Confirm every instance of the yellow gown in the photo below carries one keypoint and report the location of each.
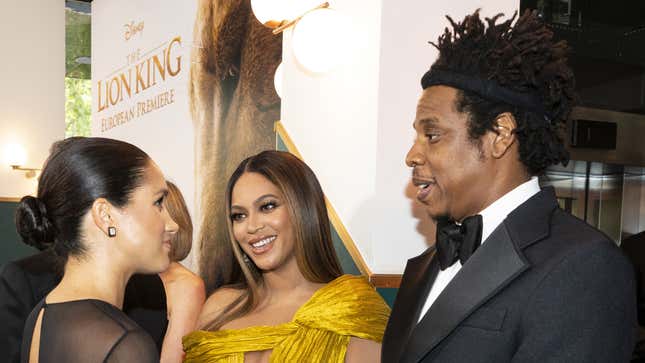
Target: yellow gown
(319, 332)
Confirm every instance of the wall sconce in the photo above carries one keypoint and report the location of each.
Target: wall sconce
(319, 34)
(29, 172)
(16, 157)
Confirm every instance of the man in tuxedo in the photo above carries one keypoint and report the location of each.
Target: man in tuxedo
(512, 277)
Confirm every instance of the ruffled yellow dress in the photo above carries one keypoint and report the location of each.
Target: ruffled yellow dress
(319, 332)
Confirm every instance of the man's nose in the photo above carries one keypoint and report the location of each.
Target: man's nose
(414, 156)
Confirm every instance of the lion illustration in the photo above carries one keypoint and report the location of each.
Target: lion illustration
(233, 106)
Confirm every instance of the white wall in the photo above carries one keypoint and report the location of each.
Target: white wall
(353, 124)
(333, 120)
(32, 93)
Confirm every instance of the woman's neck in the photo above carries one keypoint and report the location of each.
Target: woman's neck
(286, 281)
(90, 278)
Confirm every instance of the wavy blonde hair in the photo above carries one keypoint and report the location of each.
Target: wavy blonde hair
(182, 242)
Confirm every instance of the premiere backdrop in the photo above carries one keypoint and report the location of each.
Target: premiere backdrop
(140, 70)
(191, 83)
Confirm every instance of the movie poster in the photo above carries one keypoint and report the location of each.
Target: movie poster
(191, 83)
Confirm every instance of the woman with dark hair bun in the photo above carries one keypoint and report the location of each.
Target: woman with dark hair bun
(100, 207)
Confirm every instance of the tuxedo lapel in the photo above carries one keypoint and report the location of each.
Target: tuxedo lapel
(491, 267)
(420, 273)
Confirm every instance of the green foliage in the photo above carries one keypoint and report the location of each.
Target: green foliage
(77, 43)
(78, 107)
(77, 76)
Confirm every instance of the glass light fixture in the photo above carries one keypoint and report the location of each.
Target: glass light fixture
(319, 36)
(15, 154)
(319, 40)
(282, 14)
(271, 13)
(300, 7)
(277, 80)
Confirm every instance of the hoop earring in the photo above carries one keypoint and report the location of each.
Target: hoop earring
(111, 231)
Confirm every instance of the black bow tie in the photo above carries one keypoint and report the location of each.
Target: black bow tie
(458, 242)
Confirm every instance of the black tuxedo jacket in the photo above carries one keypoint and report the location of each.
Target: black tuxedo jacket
(634, 248)
(25, 282)
(544, 287)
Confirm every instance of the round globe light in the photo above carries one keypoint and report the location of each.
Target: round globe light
(300, 7)
(271, 13)
(277, 80)
(15, 154)
(319, 40)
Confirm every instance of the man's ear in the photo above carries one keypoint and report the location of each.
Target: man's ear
(101, 210)
(504, 125)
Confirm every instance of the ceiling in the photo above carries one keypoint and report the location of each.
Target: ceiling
(606, 39)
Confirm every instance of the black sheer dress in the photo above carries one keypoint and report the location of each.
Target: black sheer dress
(87, 331)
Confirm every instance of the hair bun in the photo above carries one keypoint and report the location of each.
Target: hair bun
(33, 223)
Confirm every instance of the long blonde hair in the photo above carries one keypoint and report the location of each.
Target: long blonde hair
(314, 249)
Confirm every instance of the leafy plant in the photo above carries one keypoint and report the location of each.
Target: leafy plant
(78, 101)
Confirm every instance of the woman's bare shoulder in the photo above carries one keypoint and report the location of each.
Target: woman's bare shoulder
(223, 297)
(217, 302)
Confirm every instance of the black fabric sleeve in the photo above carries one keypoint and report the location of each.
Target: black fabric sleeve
(145, 303)
(16, 302)
(134, 346)
(584, 310)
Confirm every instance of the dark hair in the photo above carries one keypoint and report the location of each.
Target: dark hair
(314, 249)
(524, 58)
(78, 171)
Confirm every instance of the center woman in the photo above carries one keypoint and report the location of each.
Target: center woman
(285, 298)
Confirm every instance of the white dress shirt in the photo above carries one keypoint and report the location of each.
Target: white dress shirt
(492, 216)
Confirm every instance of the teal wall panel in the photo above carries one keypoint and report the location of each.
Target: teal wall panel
(281, 146)
(11, 246)
(388, 294)
(346, 260)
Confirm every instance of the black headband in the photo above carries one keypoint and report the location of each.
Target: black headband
(487, 89)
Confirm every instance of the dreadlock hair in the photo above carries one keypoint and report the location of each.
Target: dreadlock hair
(524, 58)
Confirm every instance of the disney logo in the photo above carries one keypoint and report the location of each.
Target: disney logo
(132, 29)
